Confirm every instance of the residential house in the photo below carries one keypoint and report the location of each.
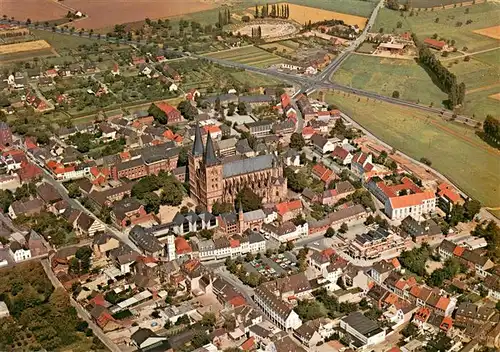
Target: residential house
(361, 163)
(127, 212)
(342, 190)
(314, 332)
(480, 264)
(192, 222)
(103, 243)
(26, 208)
(425, 231)
(448, 197)
(146, 339)
(19, 252)
(322, 144)
(323, 173)
(341, 155)
(289, 210)
(146, 242)
(88, 225)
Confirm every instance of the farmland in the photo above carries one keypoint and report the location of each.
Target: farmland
(384, 76)
(440, 3)
(424, 24)
(454, 150)
(25, 50)
(61, 41)
(248, 55)
(304, 14)
(36, 10)
(352, 7)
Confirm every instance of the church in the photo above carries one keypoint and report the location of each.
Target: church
(213, 179)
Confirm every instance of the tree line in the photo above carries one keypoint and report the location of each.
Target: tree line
(446, 80)
(224, 18)
(256, 32)
(275, 11)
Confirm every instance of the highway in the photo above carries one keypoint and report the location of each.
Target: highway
(307, 84)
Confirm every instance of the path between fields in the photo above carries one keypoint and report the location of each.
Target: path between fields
(469, 54)
(480, 89)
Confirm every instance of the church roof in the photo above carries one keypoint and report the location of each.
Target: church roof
(198, 143)
(246, 166)
(210, 157)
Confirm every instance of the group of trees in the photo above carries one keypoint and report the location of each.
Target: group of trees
(80, 263)
(257, 32)
(415, 259)
(187, 110)
(297, 141)
(450, 269)
(248, 199)
(274, 11)
(38, 312)
(172, 191)
(463, 213)
(490, 231)
(491, 131)
(445, 79)
(52, 228)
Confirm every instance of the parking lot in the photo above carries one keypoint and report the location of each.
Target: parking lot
(275, 266)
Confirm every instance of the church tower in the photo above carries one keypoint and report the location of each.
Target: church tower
(212, 185)
(194, 163)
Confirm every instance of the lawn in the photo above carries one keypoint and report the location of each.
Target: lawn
(423, 23)
(255, 79)
(249, 55)
(385, 75)
(454, 150)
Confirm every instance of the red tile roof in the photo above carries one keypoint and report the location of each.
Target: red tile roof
(182, 246)
(443, 303)
(433, 42)
(340, 153)
(447, 191)
(285, 207)
(166, 107)
(248, 345)
(410, 199)
(458, 251)
(237, 301)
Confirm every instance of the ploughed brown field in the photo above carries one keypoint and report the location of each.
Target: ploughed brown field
(100, 13)
(36, 10)
(107, 13)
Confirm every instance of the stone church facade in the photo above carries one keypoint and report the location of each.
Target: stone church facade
(213, 179)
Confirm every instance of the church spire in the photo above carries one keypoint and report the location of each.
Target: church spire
(198, 142)
(210, 157)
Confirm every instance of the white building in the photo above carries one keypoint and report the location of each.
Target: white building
(286, 232)
(4, 310)
(18, 252)
(398, 208)
(358, 327)
(171, 247)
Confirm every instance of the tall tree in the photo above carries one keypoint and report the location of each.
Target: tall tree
(256, 11)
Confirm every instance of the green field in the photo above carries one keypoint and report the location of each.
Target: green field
(423, 23)
(454, 150)
(249, 55)
(384, 76)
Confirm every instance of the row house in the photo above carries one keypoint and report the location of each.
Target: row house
(323, 173)
(476, 262)
(210, 249)
(314, 332)
(305, 107)
(192, 222)
(107, 197)
(342, 190)
(286, 232)
(348, 215)
(274, 298)
(342, 156)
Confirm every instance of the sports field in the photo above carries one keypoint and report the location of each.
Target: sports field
(454, 150)
(424, 24)
(249, 55)
(385, 75)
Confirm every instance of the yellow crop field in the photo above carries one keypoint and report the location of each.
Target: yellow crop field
(26, 46)
(303, 14)
(492, 32)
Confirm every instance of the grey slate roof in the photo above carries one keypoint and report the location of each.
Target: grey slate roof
(198, 143)
(246, 166)
(210, 157)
